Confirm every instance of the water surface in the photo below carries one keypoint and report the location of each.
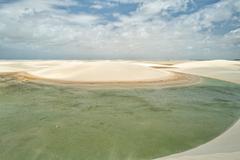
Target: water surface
(47, 122)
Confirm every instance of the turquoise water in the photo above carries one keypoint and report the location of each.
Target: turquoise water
(45, 122)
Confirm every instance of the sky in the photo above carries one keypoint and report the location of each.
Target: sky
(120, 29)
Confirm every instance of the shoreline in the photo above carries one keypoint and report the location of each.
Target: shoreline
(213, 149)
(179, 80)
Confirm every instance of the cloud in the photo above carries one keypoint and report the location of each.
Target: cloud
(163, 7)
(103, 4)
(156, 29)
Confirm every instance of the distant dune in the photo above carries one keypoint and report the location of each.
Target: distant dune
(218, 69)
(123, 71)
(103, 71)
(92, 71)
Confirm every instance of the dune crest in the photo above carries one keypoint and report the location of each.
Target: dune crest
(90, 71)
(103, 71)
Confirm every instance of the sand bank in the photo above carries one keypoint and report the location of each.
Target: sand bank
(92, 71)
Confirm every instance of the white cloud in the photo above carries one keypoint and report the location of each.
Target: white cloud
(103, 4)
(207, 17)
(97, 6)
(160, 7)
(37, 25)
(128, 1)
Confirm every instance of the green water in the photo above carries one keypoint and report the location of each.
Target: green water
(43, 122)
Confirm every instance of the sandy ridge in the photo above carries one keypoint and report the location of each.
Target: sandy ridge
(100, 72)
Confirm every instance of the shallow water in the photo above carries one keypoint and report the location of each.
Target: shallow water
(46, 122)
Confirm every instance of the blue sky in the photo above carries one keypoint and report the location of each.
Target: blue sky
(107, 9)
(120, 29)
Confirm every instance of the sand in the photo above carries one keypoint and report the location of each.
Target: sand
(103, 71)
(218, 69)
(123, 71)
(95, 71)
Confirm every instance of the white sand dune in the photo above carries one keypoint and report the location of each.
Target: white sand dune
(218, 69)
(89, 71)
(103, 71)
(123, 71)
(109, 71)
